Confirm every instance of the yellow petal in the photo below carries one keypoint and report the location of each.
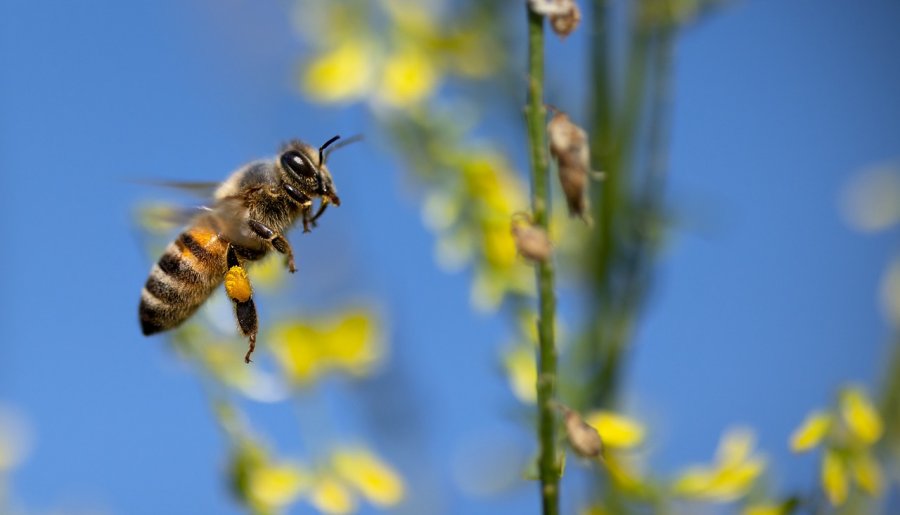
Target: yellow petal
(811, 431)
(277, 485)
(408, 77)
(373, 478)
(294, 346)
(342, 74)
(834, 478)
(694, 481)
(735, 446)
(764, 509)
(522, 373)
(352, 342)
(735, 481)
(860, 416)
(617, 431)
(867, 473)
(331, 496)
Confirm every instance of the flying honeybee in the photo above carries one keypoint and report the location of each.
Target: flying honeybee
(249, 215)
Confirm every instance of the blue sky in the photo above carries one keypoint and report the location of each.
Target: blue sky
(765, 301)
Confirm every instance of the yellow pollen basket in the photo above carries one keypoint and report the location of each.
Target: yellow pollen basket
(237, 285)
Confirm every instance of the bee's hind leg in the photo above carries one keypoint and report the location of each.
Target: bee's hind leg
(277, 241)
(237, 286)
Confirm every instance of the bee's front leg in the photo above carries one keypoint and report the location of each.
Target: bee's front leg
(237, 286)
(277, 241)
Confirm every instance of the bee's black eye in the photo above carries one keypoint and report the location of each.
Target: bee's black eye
(298, 164)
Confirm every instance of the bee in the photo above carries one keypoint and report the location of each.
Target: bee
(249, 215)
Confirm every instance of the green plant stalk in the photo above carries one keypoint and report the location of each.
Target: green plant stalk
(535, 117)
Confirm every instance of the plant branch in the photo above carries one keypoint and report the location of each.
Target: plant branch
(535, 116)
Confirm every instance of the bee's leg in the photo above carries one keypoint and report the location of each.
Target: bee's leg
(308, 219)
(237, 286)
(319, 212)
(277, 241)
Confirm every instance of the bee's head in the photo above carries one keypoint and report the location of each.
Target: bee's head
(303, 167)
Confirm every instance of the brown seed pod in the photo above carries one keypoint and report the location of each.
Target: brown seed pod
(584, 439)
(532, 241)
(569, 146)
(564, 14)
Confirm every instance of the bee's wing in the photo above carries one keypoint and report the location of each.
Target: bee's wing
(199, 189)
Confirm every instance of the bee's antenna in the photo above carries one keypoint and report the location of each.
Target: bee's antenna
(342, 144)
(324, 146)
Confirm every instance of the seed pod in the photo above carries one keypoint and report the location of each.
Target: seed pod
(569, 146)
(584, 439)
(564, 14)
(532, 241)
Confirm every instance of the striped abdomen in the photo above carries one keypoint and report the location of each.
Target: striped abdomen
(184, 277)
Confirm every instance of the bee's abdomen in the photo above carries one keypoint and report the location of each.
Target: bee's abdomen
(187, 273)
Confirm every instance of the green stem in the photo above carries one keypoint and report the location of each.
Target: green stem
(535, 117)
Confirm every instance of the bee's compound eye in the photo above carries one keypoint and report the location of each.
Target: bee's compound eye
(298, 164)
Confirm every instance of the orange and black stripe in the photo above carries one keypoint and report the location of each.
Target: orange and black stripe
(189, 271)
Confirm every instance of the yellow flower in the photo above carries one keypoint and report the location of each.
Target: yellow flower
(617, 431)
(277, 485)
(329, 495)
(374, 479)
(15, 440)
(341, 74)
(834, 478)
(811, 432)
(764, 509)
(521, 370)
(730, 477)
(407, 78)
(349, 343)
(867, 473)
(860, 416)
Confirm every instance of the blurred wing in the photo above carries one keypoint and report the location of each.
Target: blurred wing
(203, 190)
(164, 218)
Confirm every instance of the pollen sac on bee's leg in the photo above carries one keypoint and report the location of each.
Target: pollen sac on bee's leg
(237, 284)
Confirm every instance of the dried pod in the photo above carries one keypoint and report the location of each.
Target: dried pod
(532, 241)
(569, 146)
(584, 439)
(564, 14)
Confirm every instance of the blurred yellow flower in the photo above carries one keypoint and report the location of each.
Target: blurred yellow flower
(730, 477)
(617, 431)
(834, 478)
(867, 473)
(521, 371)
(341, 74)
(407, 78)
(222, 361)
(811, 432)
(765, 509)
(350, 343)
(277, 485)
(871, 201)
(848, 432)
(374, 479)
(330, 495)
(860, 415)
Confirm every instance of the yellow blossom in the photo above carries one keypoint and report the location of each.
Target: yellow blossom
(329, 495)
(277, 485)
(861, 417)
(867, 473)
(811, 432)
(521, 370)
(408, 77)
(349, 343)
(764, 509)
(341, 74)
(617, 431)
(730, 477)
(834, 478)
(367, 473)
